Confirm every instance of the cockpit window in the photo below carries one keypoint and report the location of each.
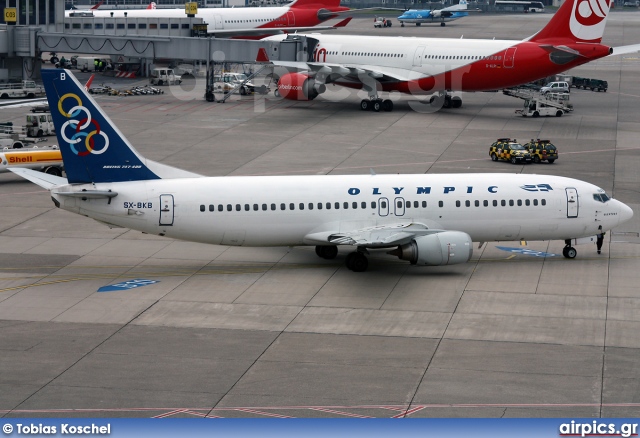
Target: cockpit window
(600, 197)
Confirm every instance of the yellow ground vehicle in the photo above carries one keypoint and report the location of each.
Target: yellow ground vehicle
(509, 150)
(542, 150)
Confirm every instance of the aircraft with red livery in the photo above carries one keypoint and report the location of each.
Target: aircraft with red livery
(438, 66)
(246, 23)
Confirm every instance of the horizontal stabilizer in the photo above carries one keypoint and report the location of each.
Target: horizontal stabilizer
(89, 194)
(42, 179)
(625, 50)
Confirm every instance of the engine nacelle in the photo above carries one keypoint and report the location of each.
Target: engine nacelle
(445, 248)
(436, 14)
(299, 86)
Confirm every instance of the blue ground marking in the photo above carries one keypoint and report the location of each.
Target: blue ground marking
(526, 251)
(126, 285)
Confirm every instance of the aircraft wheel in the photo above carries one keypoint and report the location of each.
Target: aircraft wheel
(327, 252)
(569, 252)
(377, 105)
(53, 171)
(447, 102)
(456, 102)
(418, 24)
(365, 105)
(387, 105)
(401, 24)
(357, 262)
(443, 24)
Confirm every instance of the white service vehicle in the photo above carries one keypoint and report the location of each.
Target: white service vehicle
(39, 125)
(536, 107)
(26, 88)
(555, 87)
(164, 76)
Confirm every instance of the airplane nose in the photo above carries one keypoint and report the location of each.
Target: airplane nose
(625, 213)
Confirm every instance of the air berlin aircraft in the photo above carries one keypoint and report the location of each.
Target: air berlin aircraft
(424, 66)
(248, 23)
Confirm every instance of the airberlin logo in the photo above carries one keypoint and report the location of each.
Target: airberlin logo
(82, 132)
(588, 19)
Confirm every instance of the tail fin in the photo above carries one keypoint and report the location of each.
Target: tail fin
(152, 5)
(332, 5)
(93, 149)
(576, 21)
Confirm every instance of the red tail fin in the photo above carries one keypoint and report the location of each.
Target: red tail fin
(577, 21)
(152, 5)
(343, 23)
(96, 6)
(331, 5)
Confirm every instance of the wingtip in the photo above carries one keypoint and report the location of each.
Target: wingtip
(343, 23)
(262, 56)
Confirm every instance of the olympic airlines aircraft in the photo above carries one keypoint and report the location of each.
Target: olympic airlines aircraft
(424, 66)
(424, 219)
(251, 23)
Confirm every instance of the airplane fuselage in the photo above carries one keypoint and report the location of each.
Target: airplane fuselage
(426, 17)
(281, 211)
(425, 65)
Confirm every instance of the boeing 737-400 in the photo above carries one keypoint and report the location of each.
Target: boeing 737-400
(424, 219)
(427, 66)
(247, 23)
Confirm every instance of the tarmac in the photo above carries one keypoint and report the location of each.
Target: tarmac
(279, 332)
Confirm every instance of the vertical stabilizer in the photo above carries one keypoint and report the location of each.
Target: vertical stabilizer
(576, 21)
(93, 149)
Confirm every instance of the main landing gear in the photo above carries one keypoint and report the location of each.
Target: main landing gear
(356, 261)
(445, 100)
(376, 104)
(569, 251)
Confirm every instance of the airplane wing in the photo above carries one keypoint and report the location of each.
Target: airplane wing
(357, 74)
(229, 33)
(383, 236)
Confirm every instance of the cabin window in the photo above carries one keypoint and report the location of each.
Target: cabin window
(495, 202)
(354, 205)
(283, 207)
(363, 205)
(337, 205)
(424, 204)
(477, 203)
(256, 207)
(503, 203)
(383, 204)
(238, 207)
(273, 207)
(292, 206)
(519, 202)
(373, 204)
(399, 204)
(511, 203)
(527, 202)
(408, 204)
(319, 205)
(212, 207)
(535, 202)
(345, 205)
(264, 207)
(220, 207)
(202, 207)
(328, 205)
(467, 203)
(485, 203)
(543, 202)
(310, 205)
(416, 204)
(301, 206)
(457, 203)
(440, 203)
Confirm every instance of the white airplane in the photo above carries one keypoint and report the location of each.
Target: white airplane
(442, 16)
(427, 220)
(424, 66)
(248, 23)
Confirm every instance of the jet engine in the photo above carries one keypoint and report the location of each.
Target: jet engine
(445, 248)
(299, 86)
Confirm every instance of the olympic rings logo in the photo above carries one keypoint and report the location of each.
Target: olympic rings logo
(79, 129)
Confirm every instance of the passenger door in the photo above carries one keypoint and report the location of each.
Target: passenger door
(572, 202)
(166, 210)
